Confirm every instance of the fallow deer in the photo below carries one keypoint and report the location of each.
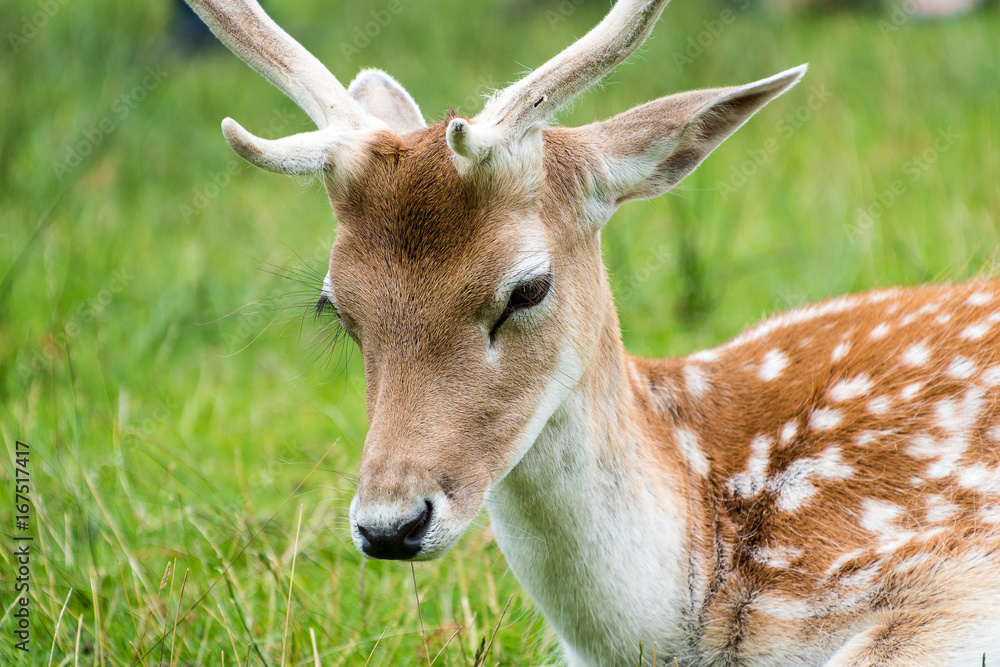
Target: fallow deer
(822, 490)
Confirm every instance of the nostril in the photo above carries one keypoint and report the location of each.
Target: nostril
(400, 542)
(415, 530)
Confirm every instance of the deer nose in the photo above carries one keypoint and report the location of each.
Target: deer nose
(399, 542)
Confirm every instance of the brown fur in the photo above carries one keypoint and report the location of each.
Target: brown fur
(740, 406)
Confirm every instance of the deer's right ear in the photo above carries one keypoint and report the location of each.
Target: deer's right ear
(644, 152)
(382, 96)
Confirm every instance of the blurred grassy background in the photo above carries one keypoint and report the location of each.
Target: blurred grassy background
(176, 394)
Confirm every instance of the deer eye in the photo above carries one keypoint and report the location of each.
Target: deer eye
(526, 295)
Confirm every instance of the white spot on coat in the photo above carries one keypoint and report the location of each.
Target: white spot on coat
(879, 331)
(922, 446)
(912, 563)
(783, 608)
(788, 431)
(842, 560)
(916, 355)
(774, 363)
(957, 419)
(991, 376)
(990, 513)
(695, 381)
(841, 351)
(794, 487)
(929, 308)
(861, 579)
(777, 557)
(975, 331)
(961, 368)
(688, 443)
(866, 437)
(879, 517)
(981, 478)
(939, 509)
(979, 298)
(879, 405)
(910, 391)
(848, 389)
(823, 419)
(751, 482)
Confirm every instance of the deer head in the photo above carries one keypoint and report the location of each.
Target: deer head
(467, 264)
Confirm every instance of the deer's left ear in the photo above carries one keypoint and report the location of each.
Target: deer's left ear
(382, 96)
(644, 152)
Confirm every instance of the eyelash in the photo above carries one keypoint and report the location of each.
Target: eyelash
(332, 336)
(526, 295)
(324, 305)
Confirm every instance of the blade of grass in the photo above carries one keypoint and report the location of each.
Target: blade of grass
(55, 633)
(420, 615)
(232, 640)
(370, 654)
(453, 635)
(180, 598)
(312, 639)
(291, 586)
(97, 622)
(76, 650)
(496, 628)
(166, 616)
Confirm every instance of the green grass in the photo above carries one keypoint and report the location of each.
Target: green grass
(177, 398)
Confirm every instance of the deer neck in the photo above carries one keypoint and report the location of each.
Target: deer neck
(596, 520)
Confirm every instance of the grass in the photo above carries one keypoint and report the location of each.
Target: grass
(192, 433)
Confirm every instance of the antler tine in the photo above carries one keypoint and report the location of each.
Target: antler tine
(244, 27)
(537, 96)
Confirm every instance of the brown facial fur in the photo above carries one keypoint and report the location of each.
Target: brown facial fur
(418, 258)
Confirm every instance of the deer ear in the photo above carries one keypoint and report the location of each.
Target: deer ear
(382, 96)
(644, 152)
